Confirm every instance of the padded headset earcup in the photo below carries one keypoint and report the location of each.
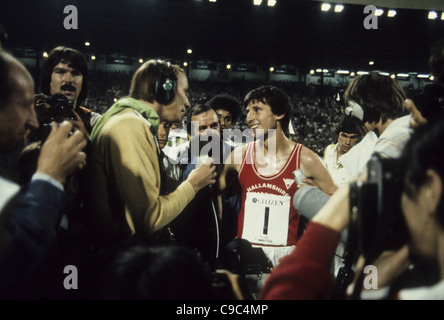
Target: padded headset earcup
(165, 86)
(355, 110)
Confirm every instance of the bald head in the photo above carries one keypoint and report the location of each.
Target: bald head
(17, 115)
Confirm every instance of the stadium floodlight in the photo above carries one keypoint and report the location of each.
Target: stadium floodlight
(339, 8)
(257, 2)
(325, 6)
(432, 15)
(271, 3)
(391, 13)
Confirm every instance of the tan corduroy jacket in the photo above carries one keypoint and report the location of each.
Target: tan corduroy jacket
(124, 178)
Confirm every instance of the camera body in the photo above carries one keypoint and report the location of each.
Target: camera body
(377, 222)
(241, 258)
(61, 108)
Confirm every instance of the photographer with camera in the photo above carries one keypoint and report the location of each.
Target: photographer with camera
(410, 209)
(29, 217)
(64, 85)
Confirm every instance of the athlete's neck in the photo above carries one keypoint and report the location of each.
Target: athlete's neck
(275, 142)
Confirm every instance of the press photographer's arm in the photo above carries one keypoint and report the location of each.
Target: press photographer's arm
(305, 273)
(389, 264)
(417, 260)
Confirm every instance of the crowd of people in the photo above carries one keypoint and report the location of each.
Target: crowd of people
(87, 183)
(311, 115)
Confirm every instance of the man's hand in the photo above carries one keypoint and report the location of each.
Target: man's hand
(78, 124)
(390, 265)
(62, 154)
(416, 118)
(40, 105)
(203, 175)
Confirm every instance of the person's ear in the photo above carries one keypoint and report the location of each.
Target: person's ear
(433, 190)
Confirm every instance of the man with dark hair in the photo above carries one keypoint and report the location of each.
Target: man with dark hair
(228, 110)
(127, 192)
(265, 168)
(349, 132)
(29, 217)
(65, 71)
(157, 273)
(198, 226)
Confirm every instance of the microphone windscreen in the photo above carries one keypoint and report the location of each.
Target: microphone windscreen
(308, 200)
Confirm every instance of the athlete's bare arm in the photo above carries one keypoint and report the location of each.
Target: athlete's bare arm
(316, 171)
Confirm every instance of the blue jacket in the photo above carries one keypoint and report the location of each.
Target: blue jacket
(28, 232)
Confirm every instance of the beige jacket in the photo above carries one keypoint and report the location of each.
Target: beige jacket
(124, 179)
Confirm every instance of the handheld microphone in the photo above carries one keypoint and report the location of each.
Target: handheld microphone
(308, 200)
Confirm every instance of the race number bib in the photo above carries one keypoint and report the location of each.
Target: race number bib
(266, 218)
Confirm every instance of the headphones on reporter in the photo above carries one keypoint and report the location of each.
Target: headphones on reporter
(353, 109)
(165, 84)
